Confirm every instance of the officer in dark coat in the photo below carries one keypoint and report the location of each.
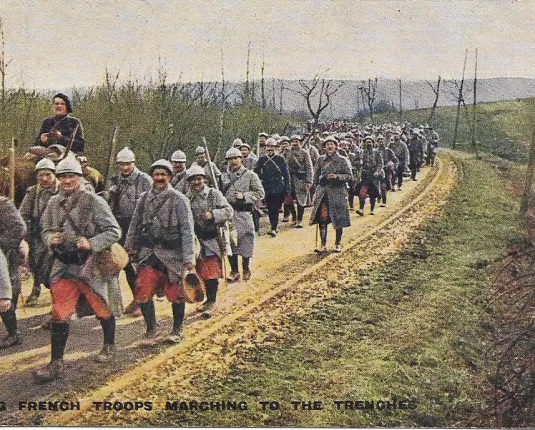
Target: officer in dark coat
(61, 128)
(273, 171)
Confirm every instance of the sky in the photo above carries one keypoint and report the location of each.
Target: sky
(65, 44)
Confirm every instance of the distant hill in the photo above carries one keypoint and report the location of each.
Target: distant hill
(415, 94)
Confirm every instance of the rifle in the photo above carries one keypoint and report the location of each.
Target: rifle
(69, 145)
(225, 228)
(111, 154)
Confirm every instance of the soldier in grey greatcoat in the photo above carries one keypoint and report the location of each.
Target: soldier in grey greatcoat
(202, 160)
(370, 178)
(331, 174)
(77, 224)
(210, 211)
(402, 154)
(123, 194)
(301, 176)
(160, 242)
(390, 162)
(178, 181)
(415, 146)
(243, 189)
(12, 231)
(249, 159)
(32, 208)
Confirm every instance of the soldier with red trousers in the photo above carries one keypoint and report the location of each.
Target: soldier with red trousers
(160, 241)
(76, 224)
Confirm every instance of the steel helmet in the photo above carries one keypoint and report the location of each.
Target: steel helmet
(178, 156)
(126, 155)
(237, 143)
(45, 163)
(233, 152)
(195, 170)
(162, 164)
(199, 150)
(69, 165)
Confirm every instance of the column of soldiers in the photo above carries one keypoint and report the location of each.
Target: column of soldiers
(172, 221)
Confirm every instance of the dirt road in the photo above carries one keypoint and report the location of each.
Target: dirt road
(287, 275)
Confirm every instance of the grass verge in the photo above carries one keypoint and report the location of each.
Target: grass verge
(411, 328)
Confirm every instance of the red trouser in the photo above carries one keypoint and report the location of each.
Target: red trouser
(150, 281)
(209, 268)
(65, 294)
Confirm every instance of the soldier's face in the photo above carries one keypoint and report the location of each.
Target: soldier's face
(45, 178)
(126, 168)
(178, 166)
(234, 163)
(330, 147)
(244, 151)
(196, 183)
(160, 178)
(201, 158)
(296, 144)
(69, 181)
(270, 150)
(60, 107)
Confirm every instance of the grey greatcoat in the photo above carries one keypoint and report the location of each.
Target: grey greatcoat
(125, 192)
(334, 190)
(401, 151)
(91, 217)
(250, 161)
(179, 182)
(301, 173)
(163, 225)
(12, 231)
(372, 167)
(32, 208)
(247, 182)
(210, 199)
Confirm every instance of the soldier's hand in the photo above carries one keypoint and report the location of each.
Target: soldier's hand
(55, 239)
(55, 135)
(5, 305)
(189, 267)
(332, 176)
(308, 186)
(239, 196)
(83, 243)
(207, 215)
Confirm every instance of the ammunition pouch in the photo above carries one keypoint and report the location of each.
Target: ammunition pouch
(206, 231)
(69, 254)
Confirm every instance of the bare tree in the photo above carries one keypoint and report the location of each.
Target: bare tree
(247, 91)
(317, 94)
(273, 93)
(263, 84)
(370, 90)
(281, 91)
(436, 91)
(460, 99)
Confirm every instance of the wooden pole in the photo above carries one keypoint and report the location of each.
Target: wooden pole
(474, 123)
(12, 169)
(459, 100)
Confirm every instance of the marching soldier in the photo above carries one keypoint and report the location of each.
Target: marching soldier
(160, 241)
(178, 181)
(77, 224)
(432, 147)
(249, 159)
(372, 172)
(242, 188)
(272, 170)
(210, 211)
(123, 194)
(301, 175)
(415, 153)
(331, 174)
(32, 208)
(12, 231)
(402, 154)
(61, 128)
(390, 162)
(202, 161)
